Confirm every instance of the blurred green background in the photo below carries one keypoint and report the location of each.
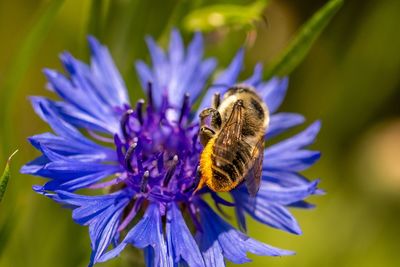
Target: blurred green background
(350, 79)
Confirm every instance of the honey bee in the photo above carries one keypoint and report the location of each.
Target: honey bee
(234, 141)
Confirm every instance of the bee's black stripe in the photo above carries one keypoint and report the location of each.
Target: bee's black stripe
(248, 130)
(240, 166)
(218, 159)
(242, 160)
(227, 166)
(221, 175)
(233, 161)
(231, 170)
(258, 108)
(243, 156)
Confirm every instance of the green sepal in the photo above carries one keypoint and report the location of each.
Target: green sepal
(5, 177)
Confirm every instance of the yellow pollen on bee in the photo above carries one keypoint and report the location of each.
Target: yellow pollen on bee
(206, 164)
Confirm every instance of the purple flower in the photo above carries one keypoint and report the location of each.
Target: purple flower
(146, 156)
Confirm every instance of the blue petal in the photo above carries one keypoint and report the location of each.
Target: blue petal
(94, 94)
(75, 91)
(174, 261)
(210, 249)
(101, 213)
(39, 189)
(289, 156)
(225, 80)
(183, 244)
(67, 173)
(65, 178)
(292, 161)
(158, 58)
(149, 256)
(273, 92)
(281, 122)
(201, 77)
(176, 48)
(144, 73)
(302, 205)
(107, 123)
(75, 183)
(303, 139)
(284, 178)
(34, 165)
(105, 72)
(241, 218)
(272, 193)
(46, 111)
(259, 248)
(160, 69)
(233, 244)
(70, 159)
(74, 150)
(191, 76)
(272, 214)
(177, 73)
(146, 233)
(195, 49)
(256, 78)
(230, 75)
(66, 169)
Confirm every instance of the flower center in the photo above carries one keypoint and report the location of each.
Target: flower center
(159, 150)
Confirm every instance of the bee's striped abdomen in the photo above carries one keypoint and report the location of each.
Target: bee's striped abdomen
(228, 166)
(220, 178)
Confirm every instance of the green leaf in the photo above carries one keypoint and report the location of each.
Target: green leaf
(5, 177)
(302, 42)
(213, 16)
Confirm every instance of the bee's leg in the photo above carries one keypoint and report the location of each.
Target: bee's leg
(216, 120)
(205, 135)
(216, 100)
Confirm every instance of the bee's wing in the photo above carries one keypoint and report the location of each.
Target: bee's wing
(232, 130)
(226, 144)
(253, 177)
